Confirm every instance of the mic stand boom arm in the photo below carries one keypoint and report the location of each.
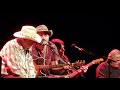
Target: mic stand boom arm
(52, 46)
(56, 52)
(81, 49)
(86, 51)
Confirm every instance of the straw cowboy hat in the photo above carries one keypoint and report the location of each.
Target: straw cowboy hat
(43, 28)
(28, 32)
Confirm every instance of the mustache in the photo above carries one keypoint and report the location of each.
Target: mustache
(44, 42)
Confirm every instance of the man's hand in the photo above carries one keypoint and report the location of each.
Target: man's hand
(66, 67)
(84, 69)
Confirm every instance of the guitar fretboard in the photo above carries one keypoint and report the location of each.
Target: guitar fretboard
(80, 71)
(89, 64)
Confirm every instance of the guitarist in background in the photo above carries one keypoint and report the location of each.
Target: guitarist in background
(61, 50)
(111, 67)
(46, 53)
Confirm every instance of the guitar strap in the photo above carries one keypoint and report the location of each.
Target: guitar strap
(44, 54)
(39, 61)
(45, 71)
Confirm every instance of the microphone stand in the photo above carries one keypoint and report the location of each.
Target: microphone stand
(81, 49)
(109, 61)
(86, 51)
(51, 45)
(56, 52)
(89, 52)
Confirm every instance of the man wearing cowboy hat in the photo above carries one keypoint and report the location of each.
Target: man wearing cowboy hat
(46, 52)
(111, 67)
(16, 54)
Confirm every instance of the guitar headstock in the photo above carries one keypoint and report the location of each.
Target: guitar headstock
(79, 63)
(96, 61)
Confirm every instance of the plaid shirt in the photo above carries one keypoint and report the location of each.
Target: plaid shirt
(16, 61)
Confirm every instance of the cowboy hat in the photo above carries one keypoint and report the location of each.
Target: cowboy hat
(43, 28)
(28, 32)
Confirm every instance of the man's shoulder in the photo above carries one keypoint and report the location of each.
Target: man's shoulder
(102, 65)
(10, 42)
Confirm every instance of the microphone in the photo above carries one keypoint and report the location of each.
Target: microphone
(48, 43)
(81, 49)
(51, 45)
(110, 60)
(74, 45)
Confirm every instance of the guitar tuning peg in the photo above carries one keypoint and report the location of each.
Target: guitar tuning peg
(83, 62)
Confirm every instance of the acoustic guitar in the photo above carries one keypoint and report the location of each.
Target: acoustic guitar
(40, 68)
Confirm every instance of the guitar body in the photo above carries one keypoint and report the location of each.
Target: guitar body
(43, 70)
(39, 71)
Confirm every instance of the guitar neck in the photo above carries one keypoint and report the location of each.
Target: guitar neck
(89, 64)
(79, 71)
(51, 66)
(61, 65)
(55, 66)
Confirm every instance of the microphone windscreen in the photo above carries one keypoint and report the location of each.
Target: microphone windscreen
(73, 45)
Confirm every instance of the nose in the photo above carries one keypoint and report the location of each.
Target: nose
(63, 49)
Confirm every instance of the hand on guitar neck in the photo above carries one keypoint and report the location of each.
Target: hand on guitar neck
(63, 67)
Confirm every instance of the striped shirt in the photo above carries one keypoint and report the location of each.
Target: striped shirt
(16, 61)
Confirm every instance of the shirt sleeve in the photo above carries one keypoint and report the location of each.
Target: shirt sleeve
(7, 59)
(101, 71)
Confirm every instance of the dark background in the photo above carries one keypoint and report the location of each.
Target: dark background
(95, 32)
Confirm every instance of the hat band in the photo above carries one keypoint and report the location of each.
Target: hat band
(28, 36)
